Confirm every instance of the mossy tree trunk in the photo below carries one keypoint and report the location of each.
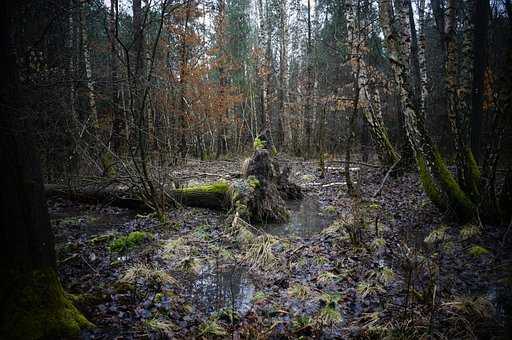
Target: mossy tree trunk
(438, 182)
(33, 302)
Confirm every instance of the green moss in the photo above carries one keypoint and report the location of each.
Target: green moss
(108, 164)
(463, 206)
(274, 151)
(37, 307)
(259, 144)
(129, 241)
(253, 182)
(221, 187)
(478, 251)
(428, 183)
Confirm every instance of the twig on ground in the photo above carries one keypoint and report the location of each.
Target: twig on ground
(385, 179)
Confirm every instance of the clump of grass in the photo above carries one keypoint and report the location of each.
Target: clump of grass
(129, 241)
(299, 291)
(467, 314)
(190, 264)
(478, 251)
(153, 276)
(378, 243)
(327, 277)
(259, 144)
(165, 327)
(329, 313)
(437, 235)
(259, 297)
(364, 289)
(260, 254)
(176, 248)
(212, 328)
(386, 275)
(302, 323)
(469, 231)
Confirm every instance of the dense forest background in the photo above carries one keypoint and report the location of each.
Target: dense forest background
(201, 79)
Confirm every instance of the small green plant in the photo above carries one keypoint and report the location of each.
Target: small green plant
(387, 275)
(299, 291)
(469, 231)
(437, 235)
(478, 251)
(212, 328)
(259, 297)
(302, 323)
(227, 314)
(259, 144)
(129, 241)
(253, 182)
(327, 277)
(329, 313)
(201, 231)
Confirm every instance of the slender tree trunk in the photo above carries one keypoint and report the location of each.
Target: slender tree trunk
(422, 42)
(264, 65)
(283, 132)
(116, 137)
(84, 9)
(309, 87)
(414, 59)
(481, 21)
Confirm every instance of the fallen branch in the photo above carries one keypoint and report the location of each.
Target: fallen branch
(385, 178)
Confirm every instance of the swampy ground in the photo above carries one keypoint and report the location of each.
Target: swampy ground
(390, 266)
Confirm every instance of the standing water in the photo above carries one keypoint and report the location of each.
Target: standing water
(306, 219)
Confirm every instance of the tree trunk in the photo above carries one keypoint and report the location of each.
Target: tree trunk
(283, 130)
(436, 179)
(373, 112)
(309, 88)
(33, 302)
(116, 137)
(84, 9)
(481, 22)
(422, 41)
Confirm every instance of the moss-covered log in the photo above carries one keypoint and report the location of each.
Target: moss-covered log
(214, 196)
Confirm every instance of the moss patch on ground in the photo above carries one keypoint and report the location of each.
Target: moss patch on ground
(129, 241)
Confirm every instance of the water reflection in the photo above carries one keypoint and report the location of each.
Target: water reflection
(218, 287)
(306, 219)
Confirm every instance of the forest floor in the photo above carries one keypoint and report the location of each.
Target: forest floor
(341, 268)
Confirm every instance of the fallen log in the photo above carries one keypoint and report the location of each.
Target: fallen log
(212, 196)
(257, 197)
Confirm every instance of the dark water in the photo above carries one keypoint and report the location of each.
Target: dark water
(218, 287)
(306, 219)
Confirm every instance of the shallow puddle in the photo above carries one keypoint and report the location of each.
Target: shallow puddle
(306, 219)
(223, 287)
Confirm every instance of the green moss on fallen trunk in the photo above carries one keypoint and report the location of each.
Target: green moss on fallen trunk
(37, 307)
(215, 195)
